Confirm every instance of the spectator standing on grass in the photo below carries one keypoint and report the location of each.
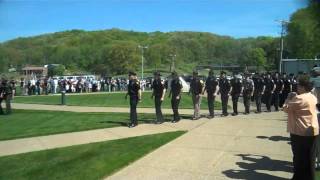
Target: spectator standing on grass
(134, 91)
(33, 86)
(303, 128)
(55, 85)
(6, 94)
(38, 87)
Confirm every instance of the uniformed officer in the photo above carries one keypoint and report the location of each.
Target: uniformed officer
(294, 83)
(259, 88)
(279, 87)
(269, 89)
(236, 88)
(247, 93)
(158, 93)
(196, 89)
(175, 93)
(287, 88)
(6, 95)
(134, 92)
(211, 89)
(224, 90)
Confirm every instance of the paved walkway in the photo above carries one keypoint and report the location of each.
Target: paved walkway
(242, 147)
(246, 147)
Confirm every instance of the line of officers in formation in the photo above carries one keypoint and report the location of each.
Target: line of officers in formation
(268, 88)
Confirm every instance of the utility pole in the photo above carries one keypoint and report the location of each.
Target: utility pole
(142, 58)
(283, 23)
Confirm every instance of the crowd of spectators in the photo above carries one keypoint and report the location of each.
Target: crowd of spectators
(45, 86)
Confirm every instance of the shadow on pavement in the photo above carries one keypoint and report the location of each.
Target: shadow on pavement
(249, 170)
(275, 138)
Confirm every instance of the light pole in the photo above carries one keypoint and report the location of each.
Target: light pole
(172, 66)
(283, 24)
(142, 58)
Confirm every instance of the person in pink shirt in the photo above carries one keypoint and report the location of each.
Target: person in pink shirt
(303, 128)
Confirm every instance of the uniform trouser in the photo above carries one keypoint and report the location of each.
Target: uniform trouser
(268, 97)
(258, 97)
(317, 149)
(276, 100)
(283, 97)
(45, 89)
(196, 99)
(246, 102)
(133, 109)
(175, 107)
(37, 90)
(157, 103)
(235, 99)
(303, 149)
(1, 110)
(224, 102)
(211, 99)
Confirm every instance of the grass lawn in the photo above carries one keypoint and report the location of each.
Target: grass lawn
(89, 161)
(28, 123)
(109, 100)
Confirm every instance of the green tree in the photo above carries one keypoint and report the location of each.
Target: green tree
(256, 57)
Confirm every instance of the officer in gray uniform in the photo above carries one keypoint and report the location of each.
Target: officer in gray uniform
(134, 92)
(211, 88)
(196, 89)
(175, 93)
(248, 88)
(158, 93)
(224, 90)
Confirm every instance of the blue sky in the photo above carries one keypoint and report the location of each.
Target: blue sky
(237, 18)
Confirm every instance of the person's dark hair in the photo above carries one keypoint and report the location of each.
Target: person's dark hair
(304, 81)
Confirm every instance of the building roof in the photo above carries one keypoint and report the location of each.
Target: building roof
(33, 68)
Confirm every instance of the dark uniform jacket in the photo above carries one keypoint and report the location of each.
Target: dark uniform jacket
(258, 85)
(196, 86)
(279, 84)
(236, 86)
(158, 87)
(248, 86)
(269, 85)
(294, 85)
(211, 84)
(133, 88)
(176, 87)
(287, 85)
(224, 86)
